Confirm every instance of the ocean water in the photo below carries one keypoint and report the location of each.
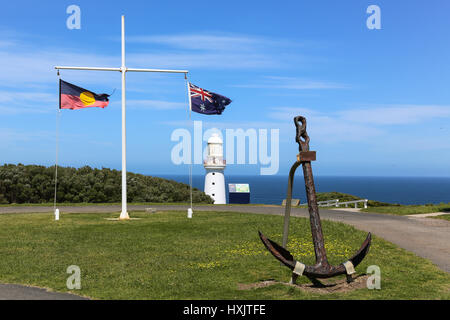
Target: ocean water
(402, 190)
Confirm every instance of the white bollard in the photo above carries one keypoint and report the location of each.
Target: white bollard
(56, 214)
(189, 213)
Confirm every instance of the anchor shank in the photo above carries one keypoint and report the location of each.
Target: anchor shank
(314, 218)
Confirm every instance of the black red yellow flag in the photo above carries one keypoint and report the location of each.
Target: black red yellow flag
(74, 97)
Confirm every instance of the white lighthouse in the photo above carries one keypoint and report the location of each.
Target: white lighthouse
(215, 165)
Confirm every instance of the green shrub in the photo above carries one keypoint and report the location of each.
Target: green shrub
(323, 196)
(36, 184)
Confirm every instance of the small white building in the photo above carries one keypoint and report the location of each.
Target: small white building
(215, 165)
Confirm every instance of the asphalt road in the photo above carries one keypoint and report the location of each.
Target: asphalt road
(428, 238)
(18, 292)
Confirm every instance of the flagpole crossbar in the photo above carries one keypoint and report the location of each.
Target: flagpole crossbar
(123, 69)
(157, 70)
(120, 69)
(87, 68)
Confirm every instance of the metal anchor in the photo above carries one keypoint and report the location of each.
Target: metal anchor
(322, 269)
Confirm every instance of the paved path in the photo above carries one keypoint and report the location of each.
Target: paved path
(18, 292)
(425, 215)
(428, 238)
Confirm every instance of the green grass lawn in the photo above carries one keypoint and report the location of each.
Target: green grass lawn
(410, 209)
(167, 256)
(87, 204)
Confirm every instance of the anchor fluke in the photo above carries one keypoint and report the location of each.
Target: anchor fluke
(362, 252)
(284, 256)
(323, 270)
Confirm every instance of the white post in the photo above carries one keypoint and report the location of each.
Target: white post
(190, 211)
(189, 97)
(124, 214)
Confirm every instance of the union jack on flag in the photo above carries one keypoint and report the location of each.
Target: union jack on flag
(199, 92)
(203, 101)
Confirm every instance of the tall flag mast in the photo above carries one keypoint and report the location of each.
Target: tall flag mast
(123, 69)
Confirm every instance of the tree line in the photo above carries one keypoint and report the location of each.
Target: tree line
(36, 184)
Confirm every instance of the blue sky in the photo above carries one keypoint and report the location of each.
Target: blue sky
(377, 101)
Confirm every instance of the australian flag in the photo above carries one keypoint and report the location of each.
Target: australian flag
(206, 102)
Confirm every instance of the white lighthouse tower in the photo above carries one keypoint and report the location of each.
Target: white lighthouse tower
(215, 165)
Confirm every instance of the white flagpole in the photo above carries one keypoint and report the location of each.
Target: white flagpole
(190, 210)
(124, 214)
(56, 210)
(189, 97)
(123, 69)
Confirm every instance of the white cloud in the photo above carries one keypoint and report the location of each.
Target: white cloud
(209, 42)
(222, 125)
(8, 96)
(361, 124)
(27, 102)
(377, 115)
(33, 67)
(215, 51)
(6, 43)
(155, 104)
(291, 83)
(12, 136)
(326, 127)
(207, 60)
(214, 42)
(395, 114)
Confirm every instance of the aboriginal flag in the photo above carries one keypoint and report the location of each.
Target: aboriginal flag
(73, 97)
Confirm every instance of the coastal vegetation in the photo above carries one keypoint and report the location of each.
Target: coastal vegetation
(442, 217)
(383, 207)
(164, 255)
(342, 197)
(35, 185)
(410, 209)
(24, 184)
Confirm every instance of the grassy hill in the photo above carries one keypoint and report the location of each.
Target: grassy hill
(383, 207)
(322, 196)
(35, 184)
